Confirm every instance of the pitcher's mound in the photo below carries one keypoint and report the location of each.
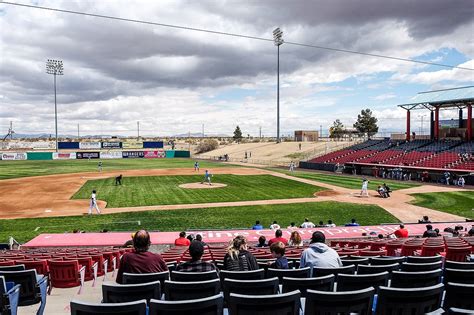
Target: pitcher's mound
(202, 186)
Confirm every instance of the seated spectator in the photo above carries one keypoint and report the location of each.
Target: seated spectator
(307, 224)
(330, 224)
(437, 232)
(292, 226)
(278, 251)
(190, 237)
(318, 254)
(257, 226)
(278, 238)
(424, 220)
(182, 240)
(262, 242)
(141, 260)
(129, 243)
(380, 236)
(471, 231)
(196, 250)
(199, 239)
(238, 258)
(274, 226)
(401, 232)
(429, 231)
(353, 223)
(321, 224)
(295, 239)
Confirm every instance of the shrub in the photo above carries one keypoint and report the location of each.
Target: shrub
(207, 145)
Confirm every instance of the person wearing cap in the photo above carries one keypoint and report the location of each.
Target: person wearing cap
(141, 260)
(196, 250)
(318, 254)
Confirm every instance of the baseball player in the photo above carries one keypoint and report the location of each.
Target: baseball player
(196, 166)
(364, 191)
(94, 203)
(118, 180)
(99, 166)
(207, 177)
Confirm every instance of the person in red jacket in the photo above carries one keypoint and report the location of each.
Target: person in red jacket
(182, 240)
(141, 260)
(278, 238)
(401, 232)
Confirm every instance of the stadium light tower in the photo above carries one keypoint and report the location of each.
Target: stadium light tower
(55, 67)
(278, 40)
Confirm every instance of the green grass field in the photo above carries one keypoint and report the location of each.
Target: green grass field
(352, 182)
(14, 169)
(459, 202)
(164, 190)
(207, 218)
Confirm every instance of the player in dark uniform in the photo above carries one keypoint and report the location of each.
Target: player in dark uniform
(118, 180)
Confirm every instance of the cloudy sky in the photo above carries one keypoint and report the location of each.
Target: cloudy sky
(174, 80)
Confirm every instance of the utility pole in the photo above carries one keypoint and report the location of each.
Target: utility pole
(138, 130)
(78, 131)
(203, 130)
(260, 132)
(320, 131)
(278, 40)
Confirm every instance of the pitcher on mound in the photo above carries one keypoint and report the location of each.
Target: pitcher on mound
(207, 177)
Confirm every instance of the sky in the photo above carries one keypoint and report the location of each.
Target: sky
(175, 81)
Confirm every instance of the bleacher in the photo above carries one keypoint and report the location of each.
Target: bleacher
(400, 272)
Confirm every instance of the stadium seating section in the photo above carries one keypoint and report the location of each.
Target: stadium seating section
(432, 270)
(446, 154)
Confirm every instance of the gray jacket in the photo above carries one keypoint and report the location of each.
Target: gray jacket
(320, 255)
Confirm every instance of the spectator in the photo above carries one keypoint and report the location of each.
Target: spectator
(278, 238)
(295, 239)
(437, 232)
(190, 237)
(196, 250)
(182, 240)
(199, 239)
(274, 226)
(292, 226)
(318, 254)
(262, 242)
(424, 220)
(330, 224)
(238, 258)
(353, 223)
(401, 232)
(141, 260)
(307, 224)
(257, 226)
(321, 224)
(429, 231)
(380, 236)
(278, 251)
(129, 243)
(471, 231)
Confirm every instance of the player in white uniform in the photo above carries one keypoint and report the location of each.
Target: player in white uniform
(196, 166)
(93, 203)
(364, 191)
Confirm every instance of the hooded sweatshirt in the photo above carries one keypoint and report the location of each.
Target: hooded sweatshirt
(320, 255)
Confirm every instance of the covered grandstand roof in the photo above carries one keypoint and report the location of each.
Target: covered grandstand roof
(448, 98)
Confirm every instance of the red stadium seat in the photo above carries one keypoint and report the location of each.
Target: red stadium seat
(66, 274)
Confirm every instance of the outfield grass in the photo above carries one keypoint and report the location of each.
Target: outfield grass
(460, 202)
(352, 182)
(164, 190)
(14, 169)
(207, 218)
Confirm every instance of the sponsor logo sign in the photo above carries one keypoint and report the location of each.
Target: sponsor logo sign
(155, 154)
(132, 145)
(89, 145)
(133, 154)
(87, 155)
(64, 156)
(111, 155)
(10, 156)
(111, 145)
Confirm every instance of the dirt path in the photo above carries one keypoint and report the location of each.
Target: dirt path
(46, 196)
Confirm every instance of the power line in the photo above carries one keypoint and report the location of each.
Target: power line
(234, 35)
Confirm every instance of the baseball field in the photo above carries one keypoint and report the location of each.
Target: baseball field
(167, 195)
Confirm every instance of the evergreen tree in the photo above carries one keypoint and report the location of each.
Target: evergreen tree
(366, 123)
(237, 134)
(337, 129)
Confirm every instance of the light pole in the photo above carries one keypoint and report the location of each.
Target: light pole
(421, 131)
(278, 40)
(55, 67)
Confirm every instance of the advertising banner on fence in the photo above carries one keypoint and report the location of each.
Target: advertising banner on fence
(10, 156)
(111, 155)
(132, 145)
(40, 156)
(68, 145)
(87, 155)
(153, 144)
(89, 145)
(132, 154)
(111, 145)
(64, 156)
(158, 154)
